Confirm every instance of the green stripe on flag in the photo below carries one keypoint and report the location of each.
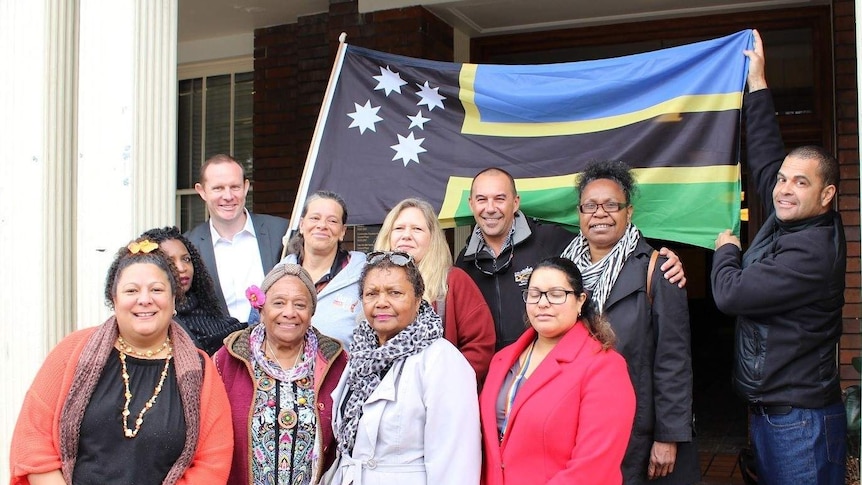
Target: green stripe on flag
(690, 205)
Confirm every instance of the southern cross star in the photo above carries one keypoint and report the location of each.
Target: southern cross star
(408, 149)
(389, 81)
(418, 121)
(430, 97)
(365, 117)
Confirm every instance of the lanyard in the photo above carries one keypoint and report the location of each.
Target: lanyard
(514, 388)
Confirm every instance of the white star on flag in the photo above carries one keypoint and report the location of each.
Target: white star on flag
(408, 149)
(365, 117)
(418, 121)
(389, 81)
(430, 96)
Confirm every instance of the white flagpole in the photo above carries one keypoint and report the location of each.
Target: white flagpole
(311, 159)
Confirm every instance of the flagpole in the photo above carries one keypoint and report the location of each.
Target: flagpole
(311, 159)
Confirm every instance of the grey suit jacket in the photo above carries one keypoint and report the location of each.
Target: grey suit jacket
(269, 231)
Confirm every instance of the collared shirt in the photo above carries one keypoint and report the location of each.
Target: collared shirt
(239, 266)
(484, 246)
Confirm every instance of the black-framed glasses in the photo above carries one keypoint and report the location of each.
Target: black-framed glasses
(592, 207)
(494, 268)
(555, 296)
(397, 258)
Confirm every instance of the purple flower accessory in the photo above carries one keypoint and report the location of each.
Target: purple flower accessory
(255, 296)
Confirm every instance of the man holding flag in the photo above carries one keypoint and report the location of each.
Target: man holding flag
(787, 292)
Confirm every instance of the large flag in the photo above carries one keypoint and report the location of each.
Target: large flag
(393, 127)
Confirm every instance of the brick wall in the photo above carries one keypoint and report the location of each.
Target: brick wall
(847, 135)
(292, 64)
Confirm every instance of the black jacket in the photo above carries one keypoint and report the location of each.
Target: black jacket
(788, 303)
(502, 289)
(655, 339)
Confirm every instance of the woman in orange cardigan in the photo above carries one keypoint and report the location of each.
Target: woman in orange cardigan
(129, 401)
(558, 405)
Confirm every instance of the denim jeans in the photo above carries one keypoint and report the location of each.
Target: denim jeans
(804, 447)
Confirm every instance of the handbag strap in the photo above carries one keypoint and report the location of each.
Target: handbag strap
(650, 270)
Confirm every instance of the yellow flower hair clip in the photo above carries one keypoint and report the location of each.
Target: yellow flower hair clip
(145, 246)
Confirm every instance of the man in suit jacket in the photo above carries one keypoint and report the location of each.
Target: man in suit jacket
(237, 247)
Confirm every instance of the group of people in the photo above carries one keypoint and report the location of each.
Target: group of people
(537, 356)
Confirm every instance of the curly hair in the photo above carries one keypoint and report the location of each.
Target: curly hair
(614, 170)
(202, 287)
(125, 258)
(597, 325)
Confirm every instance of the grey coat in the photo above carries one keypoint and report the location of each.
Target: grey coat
(655, 340)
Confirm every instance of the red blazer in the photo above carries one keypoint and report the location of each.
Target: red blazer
(570, 422)
(468, 323)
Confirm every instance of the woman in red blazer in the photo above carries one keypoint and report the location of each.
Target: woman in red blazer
(558, 404)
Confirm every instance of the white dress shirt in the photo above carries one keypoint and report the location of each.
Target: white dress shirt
(239, 266)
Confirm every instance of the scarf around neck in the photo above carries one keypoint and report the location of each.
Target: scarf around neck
(88, 371)
(369, 362)
(599, 277)
(302, 369)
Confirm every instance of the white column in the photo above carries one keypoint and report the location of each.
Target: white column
(154, 148)
(37, 98)
(105, 168)
(127, 174)
(60, 150)
(89, 162)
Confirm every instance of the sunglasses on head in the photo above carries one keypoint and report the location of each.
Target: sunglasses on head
(397, 258)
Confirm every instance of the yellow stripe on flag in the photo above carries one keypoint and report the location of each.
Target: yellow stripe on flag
(666, 112)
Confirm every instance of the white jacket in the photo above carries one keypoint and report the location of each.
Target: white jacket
(419, 427)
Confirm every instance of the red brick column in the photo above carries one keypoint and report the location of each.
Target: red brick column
(847, 150)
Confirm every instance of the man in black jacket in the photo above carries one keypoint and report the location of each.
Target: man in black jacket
(787, 292)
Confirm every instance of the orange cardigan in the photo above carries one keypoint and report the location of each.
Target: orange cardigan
(36, 440)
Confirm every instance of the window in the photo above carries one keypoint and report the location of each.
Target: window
(214, 115)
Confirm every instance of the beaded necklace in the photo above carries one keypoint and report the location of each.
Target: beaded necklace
(129, 433)
(125, 347)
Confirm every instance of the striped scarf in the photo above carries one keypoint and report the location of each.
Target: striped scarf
(599, 277)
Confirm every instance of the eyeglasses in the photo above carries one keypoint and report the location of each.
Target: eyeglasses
(495, 269)
(592, 207)
(397, 258)
(555, 296)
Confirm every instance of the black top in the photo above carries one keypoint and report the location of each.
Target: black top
(105, 455)
(207, 327)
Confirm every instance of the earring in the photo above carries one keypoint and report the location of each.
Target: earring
(175, 312)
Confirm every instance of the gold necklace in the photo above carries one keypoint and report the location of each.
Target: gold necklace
(128, 349)
(275, 356)
(129, 433)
